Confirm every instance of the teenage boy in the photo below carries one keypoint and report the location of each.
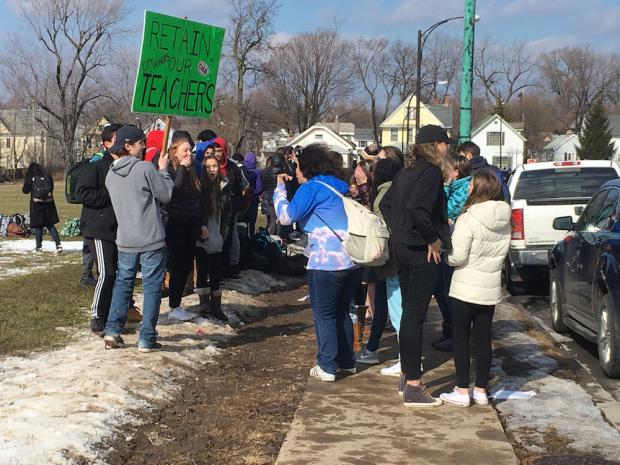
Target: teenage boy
(136, 191)
(98, 226)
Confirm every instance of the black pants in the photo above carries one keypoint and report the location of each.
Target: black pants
(88, 260)
(466, 315)
(418, 279)
(38, 235)
(181, 243)
(106, 255)
(209, 267)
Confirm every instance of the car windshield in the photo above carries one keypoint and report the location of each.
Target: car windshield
(559, 183)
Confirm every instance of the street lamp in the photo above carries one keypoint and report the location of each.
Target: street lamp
(422, 36)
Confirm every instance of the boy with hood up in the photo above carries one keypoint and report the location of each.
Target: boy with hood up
(136, 189)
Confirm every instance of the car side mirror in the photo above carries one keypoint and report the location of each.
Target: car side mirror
(563, 223)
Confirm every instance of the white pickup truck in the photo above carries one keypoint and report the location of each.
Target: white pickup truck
(540, 193)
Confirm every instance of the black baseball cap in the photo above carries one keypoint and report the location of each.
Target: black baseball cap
(126, 135)
(432, 133)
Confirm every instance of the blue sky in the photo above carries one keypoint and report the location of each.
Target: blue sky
(545, 24)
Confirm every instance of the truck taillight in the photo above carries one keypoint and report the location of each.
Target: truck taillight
(518, 230)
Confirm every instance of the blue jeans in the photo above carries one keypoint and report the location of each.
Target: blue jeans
(379, 319)
(331, 293)
(153, 264)
(395, 301)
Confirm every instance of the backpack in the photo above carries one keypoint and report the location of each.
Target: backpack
(368, 235)
(41, 187)
(72, 177)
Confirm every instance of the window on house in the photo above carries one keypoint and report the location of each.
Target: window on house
(363, 144)
(318, 136)
(493, 138)
(393, 134)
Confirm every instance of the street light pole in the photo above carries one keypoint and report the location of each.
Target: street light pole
(467, 76)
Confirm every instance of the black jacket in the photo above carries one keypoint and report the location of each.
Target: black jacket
(184, 207)
(97, 220)
(269, 178)
(480, 164)
(415, 206)
(42, 214)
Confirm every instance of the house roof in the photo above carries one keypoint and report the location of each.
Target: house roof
(614, 125)
(21, 121)
(341, 128)
(558, 141)
(364, 134)
(299, 137)
(442, 112)
(488, 120)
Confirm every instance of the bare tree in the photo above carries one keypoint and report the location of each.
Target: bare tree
(504, 71)
(404, 57)
(310, 74)
(441, 62)
(577, 76)
(58, 66)
(248, 37)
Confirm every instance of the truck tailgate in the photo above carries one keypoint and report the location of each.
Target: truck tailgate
(538, 221)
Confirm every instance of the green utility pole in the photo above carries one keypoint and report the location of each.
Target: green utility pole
(467, 76)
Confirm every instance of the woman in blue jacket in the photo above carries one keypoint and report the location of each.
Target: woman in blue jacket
(332, 274)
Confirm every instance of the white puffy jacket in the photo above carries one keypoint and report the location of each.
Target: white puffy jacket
(480, 243)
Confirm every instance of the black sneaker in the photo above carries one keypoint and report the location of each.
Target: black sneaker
(97, 325)
(152, 347)
(113, 342)
(418, 396)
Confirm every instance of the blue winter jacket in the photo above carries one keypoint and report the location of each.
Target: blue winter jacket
(457, 193)
(320, 212)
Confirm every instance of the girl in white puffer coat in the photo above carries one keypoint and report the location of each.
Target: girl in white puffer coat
(480, 243)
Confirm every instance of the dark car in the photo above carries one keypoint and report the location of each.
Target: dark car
(585, 277)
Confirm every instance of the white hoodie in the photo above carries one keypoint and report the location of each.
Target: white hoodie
(480, 243)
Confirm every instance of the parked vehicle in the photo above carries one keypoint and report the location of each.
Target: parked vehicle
(540, 192)
(585, 276)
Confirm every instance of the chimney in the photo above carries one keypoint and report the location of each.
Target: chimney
(446, 100)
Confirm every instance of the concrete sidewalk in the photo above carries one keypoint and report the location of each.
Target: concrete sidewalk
(361, 420)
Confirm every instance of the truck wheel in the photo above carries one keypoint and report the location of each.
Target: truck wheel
(608, 337)
(555, 295)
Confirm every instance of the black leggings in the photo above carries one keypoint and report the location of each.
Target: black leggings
(418, 280)
(209, 267)
(38, 235)
(464, 316)
(181, 243)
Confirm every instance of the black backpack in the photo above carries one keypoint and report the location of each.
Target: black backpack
(71, 179)
(41, 187)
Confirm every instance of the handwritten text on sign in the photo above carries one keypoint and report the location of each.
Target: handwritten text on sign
(178, 67)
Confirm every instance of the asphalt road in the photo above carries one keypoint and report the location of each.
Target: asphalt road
(536, 301)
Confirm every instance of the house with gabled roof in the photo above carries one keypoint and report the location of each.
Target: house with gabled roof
(394, 128)
(322, 133)
(501, 143)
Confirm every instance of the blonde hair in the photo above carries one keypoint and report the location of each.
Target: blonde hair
(193, 183)
(430, 153)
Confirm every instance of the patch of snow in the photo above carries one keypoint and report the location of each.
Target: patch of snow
(560, 406)
(255, 282)
(72, 398)
(28, 245)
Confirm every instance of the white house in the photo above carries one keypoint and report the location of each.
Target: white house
(562, 148)
(321, 133)
(500, 142)
(271, 142)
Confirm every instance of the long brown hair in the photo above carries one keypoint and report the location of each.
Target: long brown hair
(191, 183)
(211, 191)
(428, 151)
(486, 187)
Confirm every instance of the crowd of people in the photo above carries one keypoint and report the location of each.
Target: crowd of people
(150, 208)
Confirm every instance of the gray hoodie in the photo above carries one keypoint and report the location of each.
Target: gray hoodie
(136, 189)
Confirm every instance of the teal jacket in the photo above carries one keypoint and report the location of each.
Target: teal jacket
(457, 193)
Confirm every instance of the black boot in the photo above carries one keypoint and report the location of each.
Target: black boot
(216, 306)
(205, 302)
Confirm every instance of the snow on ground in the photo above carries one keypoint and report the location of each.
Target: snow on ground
(59, 404)
(13, 253)
(561, 409)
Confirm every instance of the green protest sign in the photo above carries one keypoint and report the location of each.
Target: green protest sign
(178, 67)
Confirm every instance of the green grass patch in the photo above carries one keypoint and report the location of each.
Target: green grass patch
(13, 201)
(35, 305)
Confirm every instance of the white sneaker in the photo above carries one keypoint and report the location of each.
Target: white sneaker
(367, 357)
(394, 370)
(180, 314)
(480, 398)
(456, 398)
(318, 373)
